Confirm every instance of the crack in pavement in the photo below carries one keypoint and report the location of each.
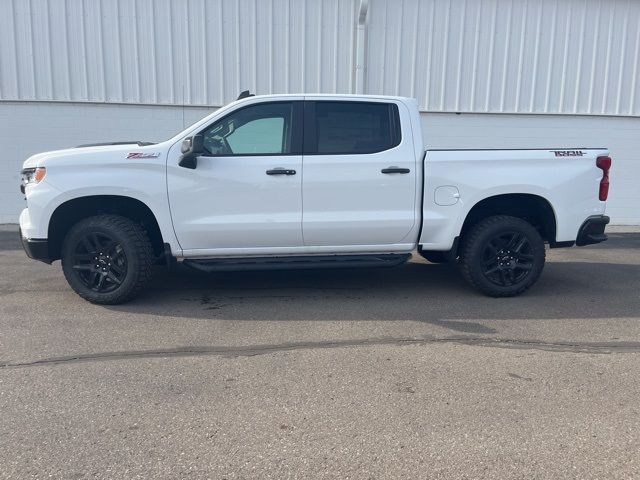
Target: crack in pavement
(253, 350)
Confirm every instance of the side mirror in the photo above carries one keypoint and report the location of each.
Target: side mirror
(191, 148)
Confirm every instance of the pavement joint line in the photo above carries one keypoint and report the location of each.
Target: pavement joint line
(254, 350)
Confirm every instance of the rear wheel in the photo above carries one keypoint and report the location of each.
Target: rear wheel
(107, 259)
(502, 256)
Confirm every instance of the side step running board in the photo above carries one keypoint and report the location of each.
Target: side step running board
(292, 263)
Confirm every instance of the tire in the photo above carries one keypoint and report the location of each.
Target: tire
(502, 256)
(436, 256)
(107, 259)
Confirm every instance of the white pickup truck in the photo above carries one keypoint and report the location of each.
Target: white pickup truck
(304, 181)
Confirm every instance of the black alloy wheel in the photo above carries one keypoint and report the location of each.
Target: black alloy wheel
(100, 262)
(507, 258)
(502, 256)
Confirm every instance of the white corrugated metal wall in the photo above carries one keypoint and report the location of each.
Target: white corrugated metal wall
(196, 52)
(534, 58)
(515, 56)
(508, 56)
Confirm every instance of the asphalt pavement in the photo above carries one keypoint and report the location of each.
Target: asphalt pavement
(378, 373)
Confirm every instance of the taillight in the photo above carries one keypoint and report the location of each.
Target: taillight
(604, 164)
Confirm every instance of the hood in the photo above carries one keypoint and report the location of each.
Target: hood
(118, 151)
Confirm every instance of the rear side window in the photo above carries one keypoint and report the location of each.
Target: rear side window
(354, 128)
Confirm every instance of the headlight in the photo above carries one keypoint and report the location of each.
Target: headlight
(32, 176)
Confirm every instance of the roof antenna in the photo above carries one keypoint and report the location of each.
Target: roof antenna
(245, 94)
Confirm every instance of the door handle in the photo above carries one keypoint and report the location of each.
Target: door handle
(281, 171)
(395, 170)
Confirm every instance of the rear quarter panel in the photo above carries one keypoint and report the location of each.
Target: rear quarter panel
(569, 183)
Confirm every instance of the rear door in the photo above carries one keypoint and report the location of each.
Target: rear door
(359, 182)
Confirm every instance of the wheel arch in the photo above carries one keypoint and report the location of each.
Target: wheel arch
(72, 211)
(532, 208)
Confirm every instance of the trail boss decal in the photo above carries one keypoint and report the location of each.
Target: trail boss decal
(138, 155)
(568, 153)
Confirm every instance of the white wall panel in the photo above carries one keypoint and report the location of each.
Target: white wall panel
(65, 125)
(507, 56)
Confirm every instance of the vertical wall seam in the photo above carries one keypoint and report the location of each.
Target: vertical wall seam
(492, 47)
(596, 35)
(238, 48)
(154, 58)
(523, 34)
(102, 55)
(607, 67)
(136, 50)
(536, 60)
(66, 46)
(336, 37)
(623, 53)
(32, 53)
(634, 80)
(552, 45)
(445, 53)
(271, 51)
(14, 23)
(463, 21)
(304, 48)
(474, 68)
(565, 59)
(47, 21)
(428, 74)
(505, 62)
(319, 58)
(220, 57)
(118, 39)
(254, 56)
(399, 50)
(287, 37)
(579, 72)
(414, 50)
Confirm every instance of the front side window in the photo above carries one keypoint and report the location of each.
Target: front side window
(356, 127)
(263, 129)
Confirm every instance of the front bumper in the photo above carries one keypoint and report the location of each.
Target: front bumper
(36, 248)
(592, 230)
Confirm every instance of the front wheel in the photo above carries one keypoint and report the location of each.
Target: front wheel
(107, 259)
(502, 256)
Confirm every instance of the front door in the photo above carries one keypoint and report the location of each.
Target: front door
(246, 193)
(360, 173)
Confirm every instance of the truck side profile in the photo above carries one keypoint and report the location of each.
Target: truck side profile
(307, 181)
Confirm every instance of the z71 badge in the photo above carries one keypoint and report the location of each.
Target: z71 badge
(138, 155)
(568, 153)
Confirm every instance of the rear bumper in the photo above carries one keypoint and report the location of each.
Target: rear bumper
(592, 230)
(36, 248)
